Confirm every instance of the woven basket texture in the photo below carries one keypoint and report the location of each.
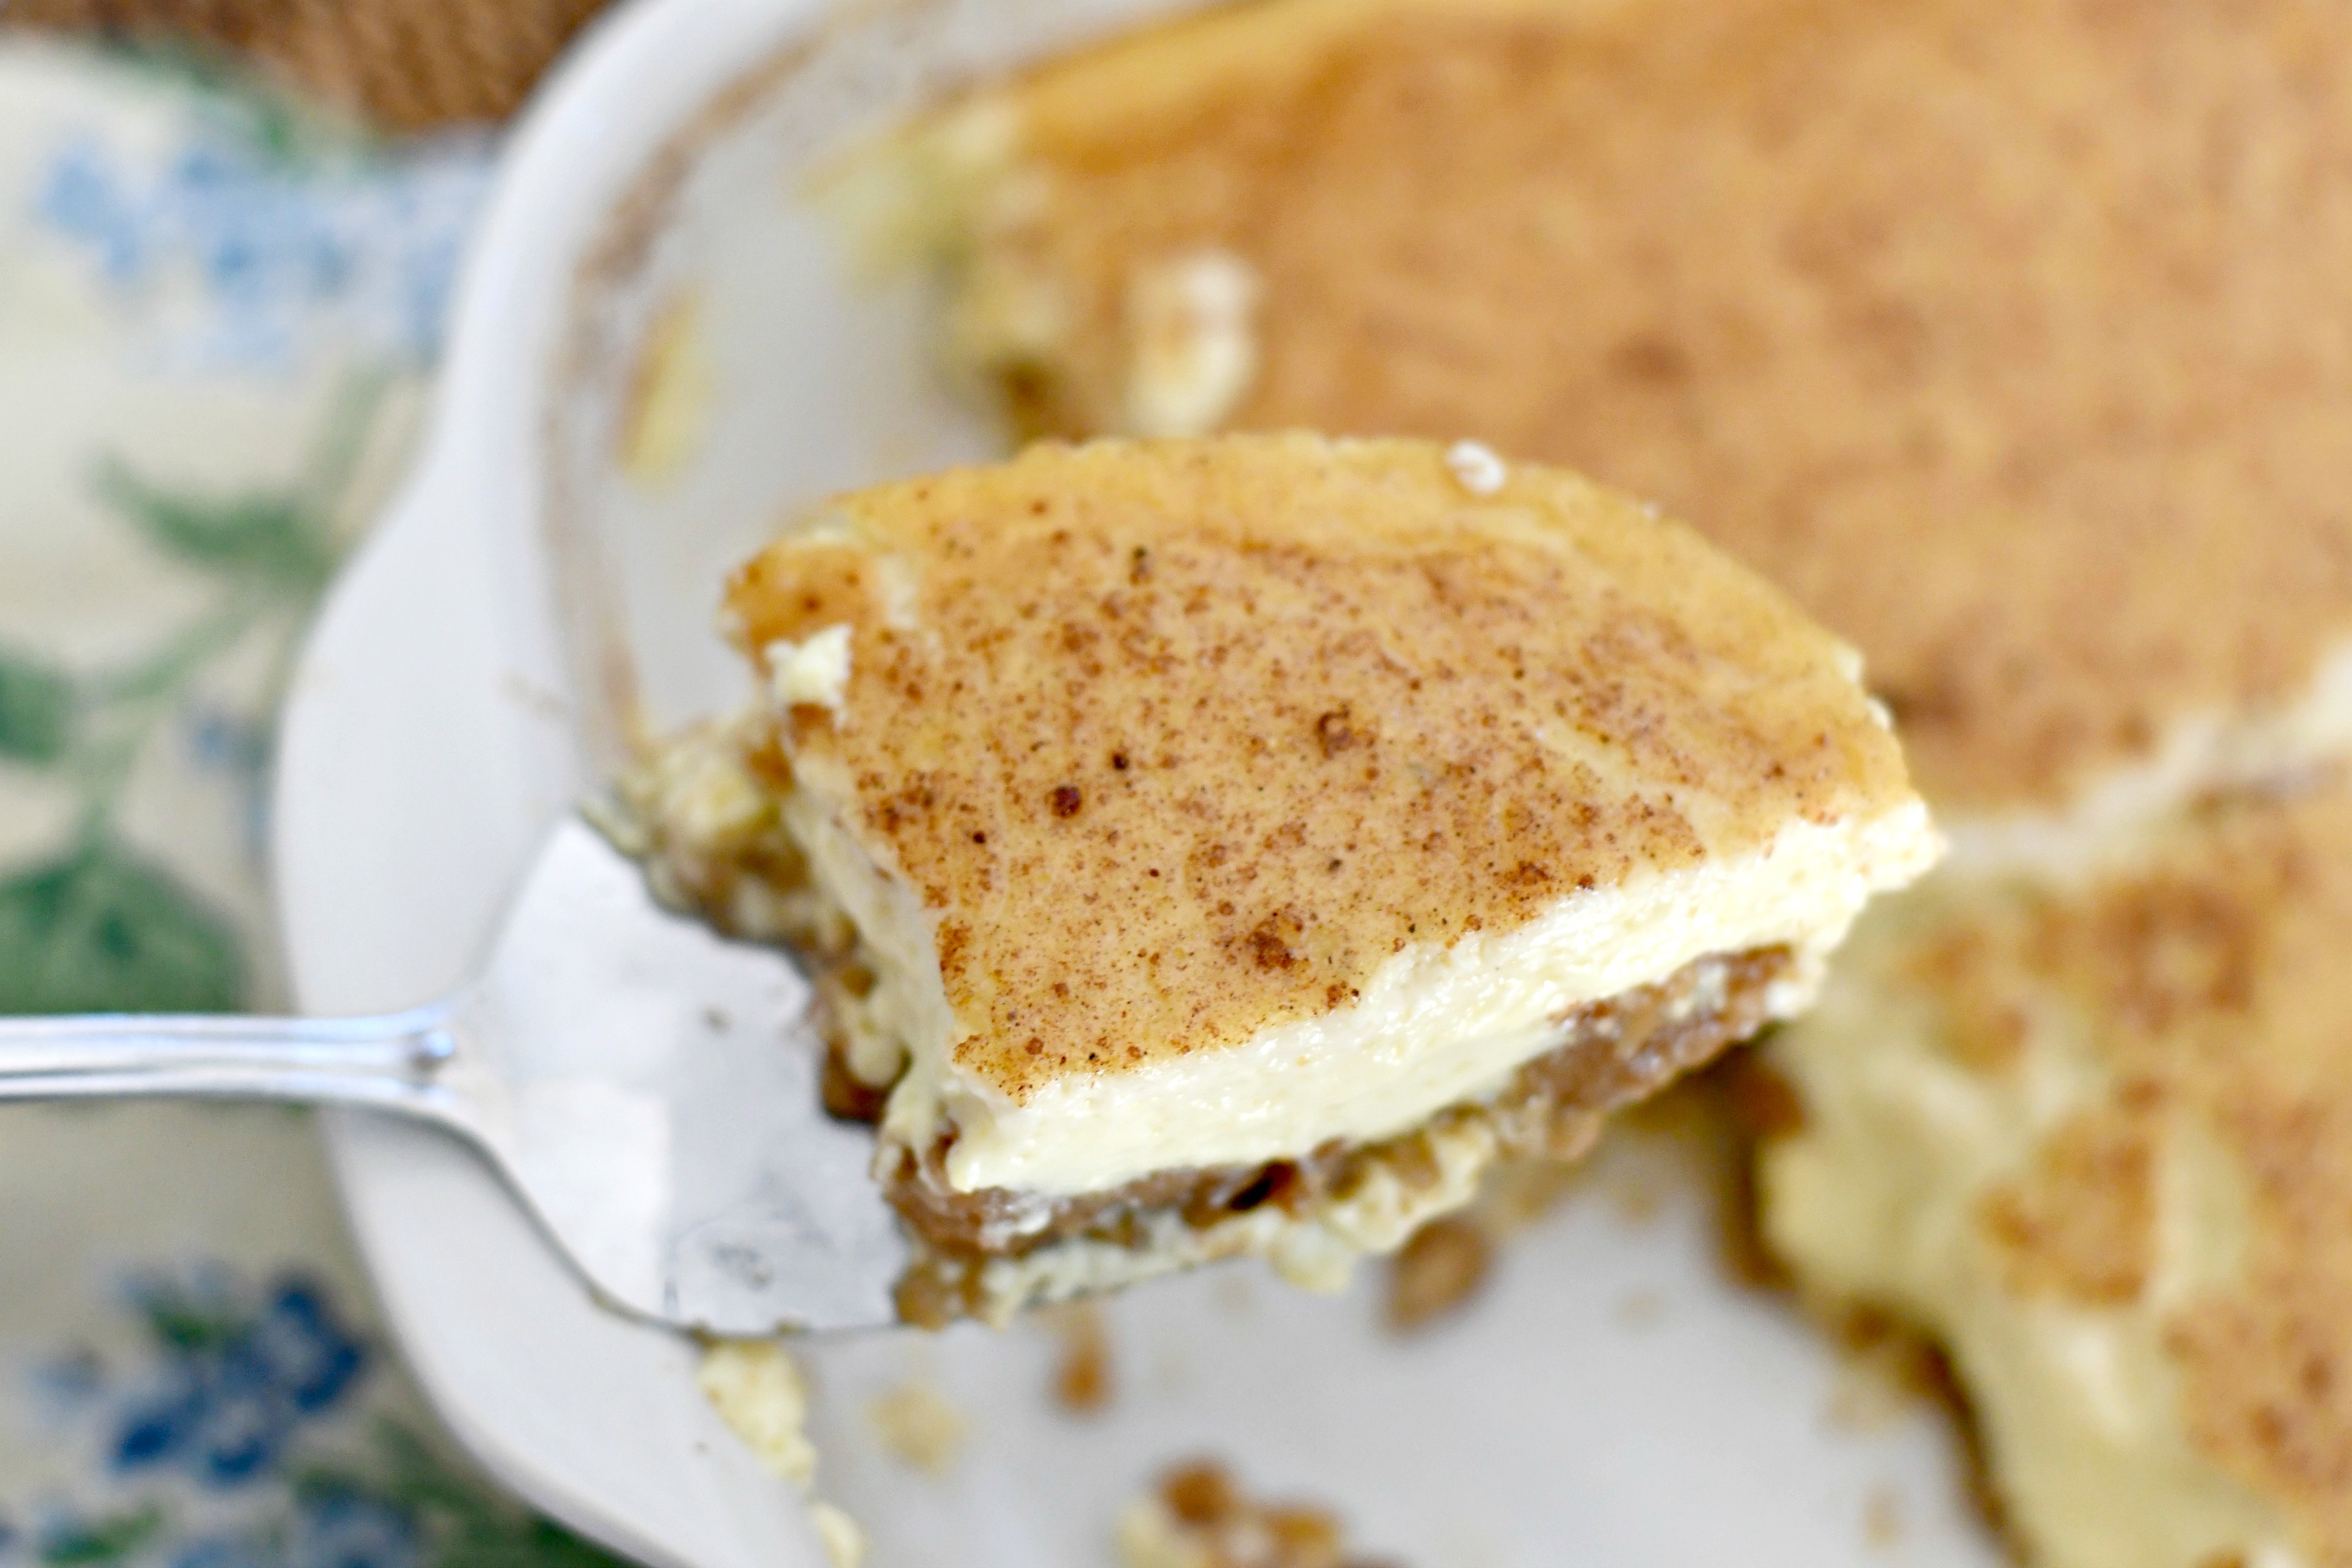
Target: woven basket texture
(400, 65)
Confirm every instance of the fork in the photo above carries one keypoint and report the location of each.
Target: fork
(648, 1088)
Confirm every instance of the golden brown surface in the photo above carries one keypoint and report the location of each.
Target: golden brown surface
(2009, 336)
(2212, 982)
(1181, 741)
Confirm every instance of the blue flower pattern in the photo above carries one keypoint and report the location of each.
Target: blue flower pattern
(238, 749)
(354, 246)
(228, 1404)
(248, 1393)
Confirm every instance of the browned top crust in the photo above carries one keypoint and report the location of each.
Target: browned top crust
(2213, 986)
(1181, 739)
(2009, 336)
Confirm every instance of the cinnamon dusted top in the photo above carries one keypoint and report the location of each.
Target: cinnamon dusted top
(2210, 986)
(1178, 741)
(2009, 336)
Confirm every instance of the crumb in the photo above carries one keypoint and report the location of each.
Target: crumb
(812, 673)
(669, 395)
(1683, 1140)
(1637, 1194)
(1437, 1271)
(1641, 1308)
(1882, 1517)
(917, 1424)
(843, 1541)
(758, 1393)
(1446, 1263)
(1197, 1517)
(848, 1097)
(1234, 1293)
(925, 1300)
(1193, 349)
(1477, 468)
(1082, 1383)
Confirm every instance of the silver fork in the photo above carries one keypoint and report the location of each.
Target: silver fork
(648, 1088)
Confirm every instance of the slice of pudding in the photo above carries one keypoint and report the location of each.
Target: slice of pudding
(1247, 841)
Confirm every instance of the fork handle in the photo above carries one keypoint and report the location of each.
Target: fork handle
(390, 1063)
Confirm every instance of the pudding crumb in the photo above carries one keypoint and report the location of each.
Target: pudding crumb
(1477, 467)
(1438, 1271)
(1197, 1517)
(1084, 1383)
(843, 1540)
(1882, 1517)
(917, 1424)
(760, 1392)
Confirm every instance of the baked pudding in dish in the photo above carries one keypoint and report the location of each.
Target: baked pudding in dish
(2095, 1134)
(1237, 846)
(2006, 337)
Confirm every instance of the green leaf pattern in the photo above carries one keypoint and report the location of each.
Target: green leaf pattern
(271, 539)
(107, 930)
(36, 707)
(103, 1542)
(99, 927)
